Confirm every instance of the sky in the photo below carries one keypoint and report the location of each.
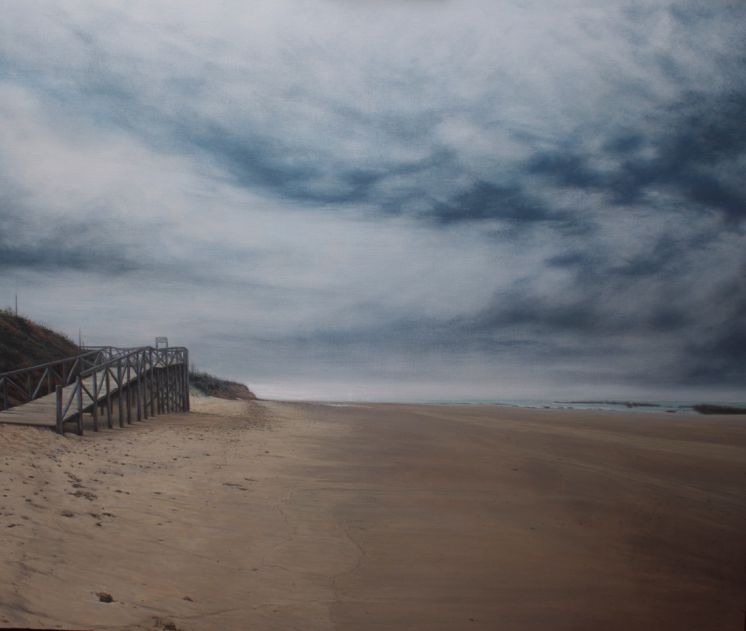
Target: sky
(386, 200)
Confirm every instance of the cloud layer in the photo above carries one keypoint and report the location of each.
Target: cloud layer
(386, 199)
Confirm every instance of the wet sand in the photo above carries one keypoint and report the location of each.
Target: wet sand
(305, 516)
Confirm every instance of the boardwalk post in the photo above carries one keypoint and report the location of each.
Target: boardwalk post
(143, 384)
(168, 386)
(58, 410)
(5, 394)
(180, 379)
(79, 388)
(147, 383)
(108, 397)
(186, 372)
(185, 377)
(176, 390)
(138, 387)
(179, 398)
(158, 384)
(95, 401)
(184, 392)
(128, 398)
(171, 386)
(151, 382)
(120, 393)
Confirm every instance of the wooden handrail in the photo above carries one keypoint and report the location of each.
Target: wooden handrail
(23, 385)
(156, 378)
(52, 363)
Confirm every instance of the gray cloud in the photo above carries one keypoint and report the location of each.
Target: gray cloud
(504, 188)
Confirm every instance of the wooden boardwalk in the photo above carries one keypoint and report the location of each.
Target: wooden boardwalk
(121, 384)
(42, 412)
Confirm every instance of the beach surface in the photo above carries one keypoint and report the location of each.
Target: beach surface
(270, 515)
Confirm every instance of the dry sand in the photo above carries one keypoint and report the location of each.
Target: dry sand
(310, 517)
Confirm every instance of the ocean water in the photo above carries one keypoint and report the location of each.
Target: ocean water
(670, 407)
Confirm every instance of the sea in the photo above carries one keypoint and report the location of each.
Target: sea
(670, 407)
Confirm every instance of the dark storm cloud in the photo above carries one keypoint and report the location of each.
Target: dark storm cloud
(720, 353)
(696, 145)
(689, 150)
(61, 246)
(666, 257)
(565, 168)
(706, 134)
(51, 256)
(269, 163)
(490, 201)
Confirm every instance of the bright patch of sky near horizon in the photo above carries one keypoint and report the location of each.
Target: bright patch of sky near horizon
(414, 199)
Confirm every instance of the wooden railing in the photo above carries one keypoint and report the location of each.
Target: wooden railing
(144, 382)
(141, 382)
(26, 384)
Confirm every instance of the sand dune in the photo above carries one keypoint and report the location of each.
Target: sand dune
(260, 515)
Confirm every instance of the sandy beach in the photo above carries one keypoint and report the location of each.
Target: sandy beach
(268, 515)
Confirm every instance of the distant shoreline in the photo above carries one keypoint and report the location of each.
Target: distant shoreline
(692, 408)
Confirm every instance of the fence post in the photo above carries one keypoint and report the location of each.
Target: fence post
(58, 410)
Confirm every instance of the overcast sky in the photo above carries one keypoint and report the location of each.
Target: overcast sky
(386, 199)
